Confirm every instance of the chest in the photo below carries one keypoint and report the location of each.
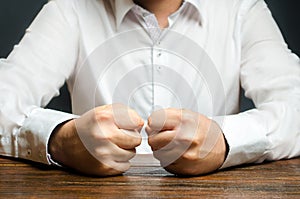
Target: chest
(191, 65)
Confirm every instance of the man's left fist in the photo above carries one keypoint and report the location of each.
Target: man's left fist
(185, 142)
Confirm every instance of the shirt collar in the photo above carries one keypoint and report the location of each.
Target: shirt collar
(122, 7)
(198, 4)
(195, 3)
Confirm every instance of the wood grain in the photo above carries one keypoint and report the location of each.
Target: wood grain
(21, 179)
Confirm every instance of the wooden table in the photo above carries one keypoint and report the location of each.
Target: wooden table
(19, 179)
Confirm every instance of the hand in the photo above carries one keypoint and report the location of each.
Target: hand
(185, 142)
(101, 142)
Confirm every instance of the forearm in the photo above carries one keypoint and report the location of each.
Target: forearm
(31, 76)
(270, 77)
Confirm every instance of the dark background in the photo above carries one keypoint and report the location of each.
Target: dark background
(16, 16)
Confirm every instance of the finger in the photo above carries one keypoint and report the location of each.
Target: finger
(164, 119)
(125, 156)
(112, 152)
(151, 132)
(115, 167)
(126, 118)
(122, 155)
(109, 133)
(126, 139)
(168, 157)
(161, 140)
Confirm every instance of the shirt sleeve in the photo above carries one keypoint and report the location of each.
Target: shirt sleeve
(31, 76)
(270, 76)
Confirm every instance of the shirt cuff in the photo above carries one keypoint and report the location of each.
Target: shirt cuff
(36, 131)
(246, 139)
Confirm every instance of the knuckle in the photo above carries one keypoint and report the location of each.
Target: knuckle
(100, 135)
(131, 154)
(131, 139)
(137, 120)
(194, 141)
(190, 156)
(149, 121)
(187, 140)
(191, 120)
(109, 137)
(103, 115)
(103, 154)
(190, 117)
(139, 140)
(151, 142)
(136, 141)
(140, 123)
(149, 131)
(176, 113)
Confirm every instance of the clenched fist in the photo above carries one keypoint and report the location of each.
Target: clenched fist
(101, 142)
(185, 142)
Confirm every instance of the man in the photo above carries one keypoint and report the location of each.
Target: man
(146, 54)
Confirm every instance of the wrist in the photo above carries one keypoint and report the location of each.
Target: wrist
(58, 139)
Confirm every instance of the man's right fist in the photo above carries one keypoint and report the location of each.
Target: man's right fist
(101, 142)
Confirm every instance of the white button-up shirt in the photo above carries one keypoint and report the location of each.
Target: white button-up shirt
(113, 51)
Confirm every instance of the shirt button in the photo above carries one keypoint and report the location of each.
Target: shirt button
(28, 152)
(159, 54)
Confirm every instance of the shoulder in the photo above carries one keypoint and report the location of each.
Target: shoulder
(76, 3)
(79, 6)
(233, 6)
(230, 10)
